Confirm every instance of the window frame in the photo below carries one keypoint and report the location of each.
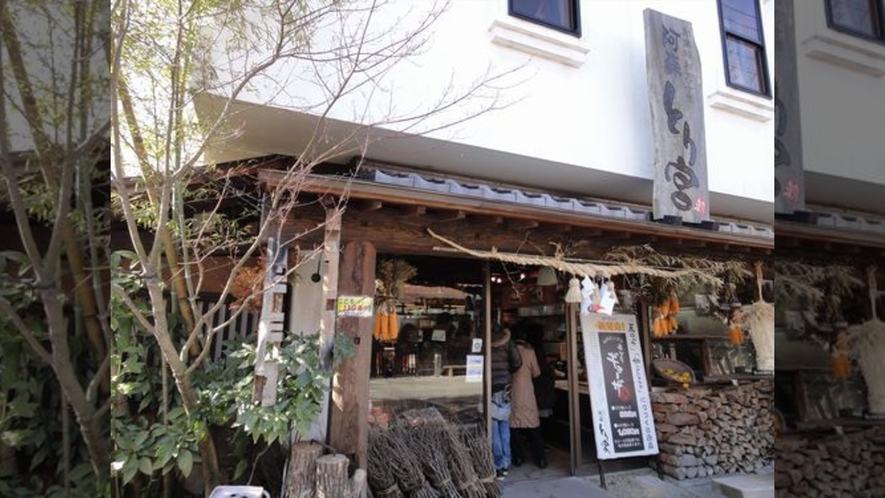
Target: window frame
(878, 8)
(576, 10)
(762, 50)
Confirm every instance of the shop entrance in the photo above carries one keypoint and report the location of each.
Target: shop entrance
(440, 313)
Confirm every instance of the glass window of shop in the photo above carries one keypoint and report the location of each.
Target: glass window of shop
(433, 358)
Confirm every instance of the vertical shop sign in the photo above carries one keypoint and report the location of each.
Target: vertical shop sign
(676, 100)
(619, 394)
(789, 178)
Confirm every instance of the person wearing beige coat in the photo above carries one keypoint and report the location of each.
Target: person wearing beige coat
(524, 419)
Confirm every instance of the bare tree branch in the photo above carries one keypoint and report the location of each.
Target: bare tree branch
(25, 331)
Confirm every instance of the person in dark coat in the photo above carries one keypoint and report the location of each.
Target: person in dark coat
(505, 361)
(545, 391)
(524, 417)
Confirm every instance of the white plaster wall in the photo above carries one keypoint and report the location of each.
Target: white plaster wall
(306, 306)
(592, 117)
(842, 109)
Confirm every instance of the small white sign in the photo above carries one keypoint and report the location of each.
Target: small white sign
(477, 346)
(474, 368)
(439, 335)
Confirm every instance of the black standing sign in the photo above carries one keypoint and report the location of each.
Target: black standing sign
(676, 100)
(619, 394)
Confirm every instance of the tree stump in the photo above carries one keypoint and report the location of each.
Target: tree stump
(332, 480)
(301, 475)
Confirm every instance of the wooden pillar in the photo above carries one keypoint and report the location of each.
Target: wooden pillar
(487, 340)
(348, 424)
(574, 396)
(329, 261)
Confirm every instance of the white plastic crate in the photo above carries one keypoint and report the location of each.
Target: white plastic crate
(239, 492)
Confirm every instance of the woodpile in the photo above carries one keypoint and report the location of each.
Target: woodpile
(849, 466)
(710, 431)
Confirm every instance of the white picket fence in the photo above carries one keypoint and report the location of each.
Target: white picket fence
(245, 325)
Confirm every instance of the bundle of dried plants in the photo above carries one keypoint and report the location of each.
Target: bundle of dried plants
(391, 276)
(426, 441)
(406, 468)
(477, 442)
(461, 465)
(380, 471)
(704, 274)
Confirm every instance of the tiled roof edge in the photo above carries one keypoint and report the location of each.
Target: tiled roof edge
(596, 207)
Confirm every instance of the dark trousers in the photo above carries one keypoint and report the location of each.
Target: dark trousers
(535, 440)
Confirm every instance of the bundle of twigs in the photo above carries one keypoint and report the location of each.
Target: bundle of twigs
(406, 467)
(474, 438)
(380, 471)
(461, 465)
(426, 441)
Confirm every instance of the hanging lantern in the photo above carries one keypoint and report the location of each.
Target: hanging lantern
(547, 276)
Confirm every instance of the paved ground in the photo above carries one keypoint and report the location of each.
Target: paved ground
(555, 487)
(642, 483)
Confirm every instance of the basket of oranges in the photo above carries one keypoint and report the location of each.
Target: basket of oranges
(674, 370)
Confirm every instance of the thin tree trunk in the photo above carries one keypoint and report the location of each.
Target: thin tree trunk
(208, 455)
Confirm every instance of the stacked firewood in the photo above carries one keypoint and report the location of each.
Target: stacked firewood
(708, 431)
(850, 466)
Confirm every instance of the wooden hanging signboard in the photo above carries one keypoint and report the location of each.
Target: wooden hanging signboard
(676, 101)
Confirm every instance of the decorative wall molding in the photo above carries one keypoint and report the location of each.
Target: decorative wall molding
(538, 41)
(741, 103)
(853, 53)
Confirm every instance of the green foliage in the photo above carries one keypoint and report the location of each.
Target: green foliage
(227, 395)
(30, 422)
(147, 448)
(146, 445)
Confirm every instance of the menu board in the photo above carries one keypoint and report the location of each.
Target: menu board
(619, 394)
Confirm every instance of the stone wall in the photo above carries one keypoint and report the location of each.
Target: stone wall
(707, 431)
(850, 466)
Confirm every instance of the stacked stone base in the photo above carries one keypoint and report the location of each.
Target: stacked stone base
(708, 431)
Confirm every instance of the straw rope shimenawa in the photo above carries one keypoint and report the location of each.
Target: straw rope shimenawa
(582, 268)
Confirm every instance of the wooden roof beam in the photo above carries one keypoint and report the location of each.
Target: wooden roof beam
(366, 204)
(489, 219)
(451, 216)
(413, 211)
(522, 224)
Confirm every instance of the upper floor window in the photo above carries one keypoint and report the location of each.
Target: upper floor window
(862, 18)
(562, 15)
(746, 66)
